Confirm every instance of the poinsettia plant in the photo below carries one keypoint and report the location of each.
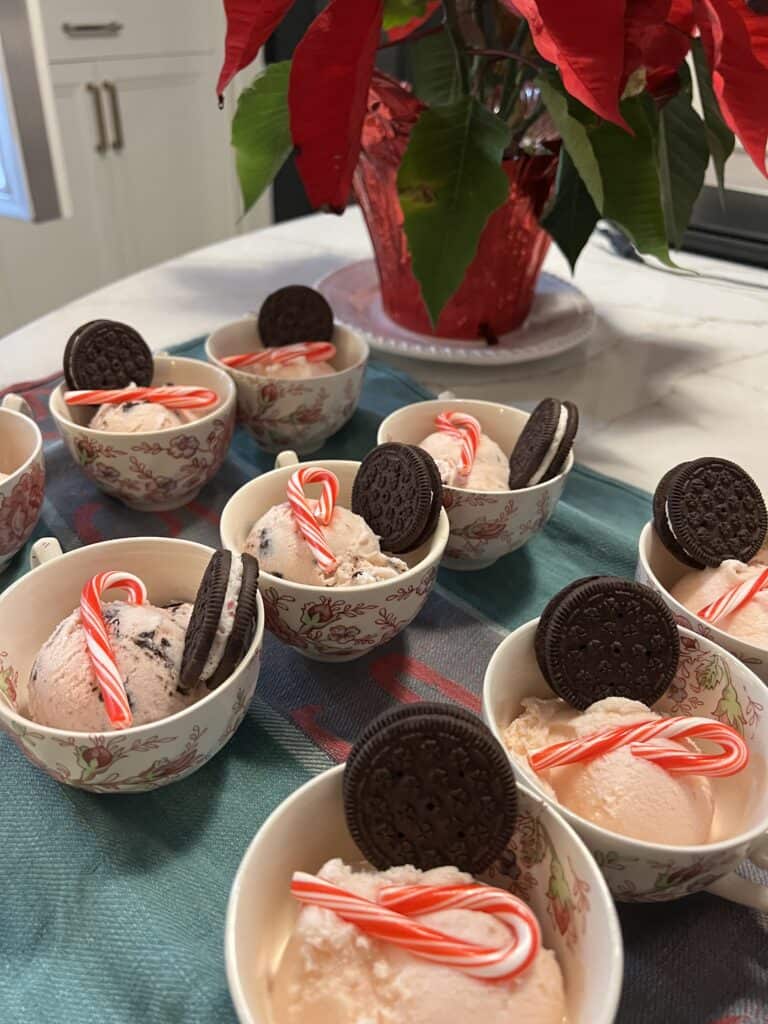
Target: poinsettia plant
(633, 96)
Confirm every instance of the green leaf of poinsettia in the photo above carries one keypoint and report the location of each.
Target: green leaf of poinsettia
(575, 139)
(450, 182)
(400, 12)
(629, 169)
(573, 214)
(261, 131)
(683, 159)
(435, 66)
(720, 138)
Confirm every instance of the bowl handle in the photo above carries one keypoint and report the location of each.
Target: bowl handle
(284, 459)
(15, 403)
(740, 890)
(44, 550)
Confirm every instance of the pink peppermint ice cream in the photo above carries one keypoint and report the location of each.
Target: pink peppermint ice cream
(140, 418)
(490, 471)
(299, 369)
(331, 973)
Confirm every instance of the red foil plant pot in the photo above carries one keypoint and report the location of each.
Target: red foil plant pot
(497, 291)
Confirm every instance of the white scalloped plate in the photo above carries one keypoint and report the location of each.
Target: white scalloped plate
(562, 317)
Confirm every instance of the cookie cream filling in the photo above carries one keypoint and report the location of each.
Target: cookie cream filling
(557, 440)
(226, 619)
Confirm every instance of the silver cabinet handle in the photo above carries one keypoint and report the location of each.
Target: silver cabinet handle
(94, 30)
(118, 141)
(98, 110)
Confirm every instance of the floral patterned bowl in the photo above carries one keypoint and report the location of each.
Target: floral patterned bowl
(709, 683)
(659, 570)
(331, 623)
(484, 524)
(546, 864)
(145, 756)
(297, 414)
(23, 465)
(163, 469)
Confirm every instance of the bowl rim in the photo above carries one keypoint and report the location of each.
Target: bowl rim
(14, 476)
(442, 403)
(605, 835)
(437, 544)
(723, 638)
(222, 410)
(256, 644)
(614, 973)
(257, 378)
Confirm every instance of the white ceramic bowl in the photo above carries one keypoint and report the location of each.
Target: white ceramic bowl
(660, 570)
(160, 470)
(484, 524)
(297, 414)
(308, 828)
(331, 623)
(23, 463)
(145, 756)
(708, 681)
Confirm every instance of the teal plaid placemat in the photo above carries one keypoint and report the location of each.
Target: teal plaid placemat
(112, 908)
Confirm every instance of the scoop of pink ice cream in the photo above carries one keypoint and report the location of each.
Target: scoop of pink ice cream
(148, 643)
(299, 369)
(699, 588)
(618, 792)
(282, 550)
(332, 972)
(138, 418)
(490, 471)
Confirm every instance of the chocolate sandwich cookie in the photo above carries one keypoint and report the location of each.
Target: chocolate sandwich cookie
(295, 314)
(544, 445)
(427, 784)
(709, 510)
(223, 616)
(398, 492)
(106, 354)
(607, 637)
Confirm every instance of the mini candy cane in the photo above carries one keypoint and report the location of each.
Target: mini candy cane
(97, 639)
(312, 351)
(734, 598)
(639, 738)
(390, 921)
(172, 397)
(467, 430)
(310, 517)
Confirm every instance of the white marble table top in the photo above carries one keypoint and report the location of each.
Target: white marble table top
(677, 367)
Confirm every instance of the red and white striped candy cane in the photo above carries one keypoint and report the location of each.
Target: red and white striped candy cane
(310, 517)
(171, 396)
(389, 920)
(97, 639)
(467, 429)
(640, 740)
(734, 598)
(312, 351)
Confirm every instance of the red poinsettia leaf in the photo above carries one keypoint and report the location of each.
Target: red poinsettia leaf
(394, 35)
(658, 38)
(740, 81)
(327, 95)
(588, 48)
(250, 23)
(757, 25)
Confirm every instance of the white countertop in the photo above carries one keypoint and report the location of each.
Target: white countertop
(677, 367)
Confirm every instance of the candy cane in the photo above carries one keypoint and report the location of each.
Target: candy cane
(639, 738)
(172, 397)
(389, 920)
(97, 640)
(467, 429)
(310, 517)
(734, 598)
(312, 351)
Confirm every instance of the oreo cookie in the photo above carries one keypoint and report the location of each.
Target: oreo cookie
(708, 510)
(295, 314)
(544, 445)
(228, 588)
(107, 354)
(607, 637)
(398, 492)
(427, 784)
